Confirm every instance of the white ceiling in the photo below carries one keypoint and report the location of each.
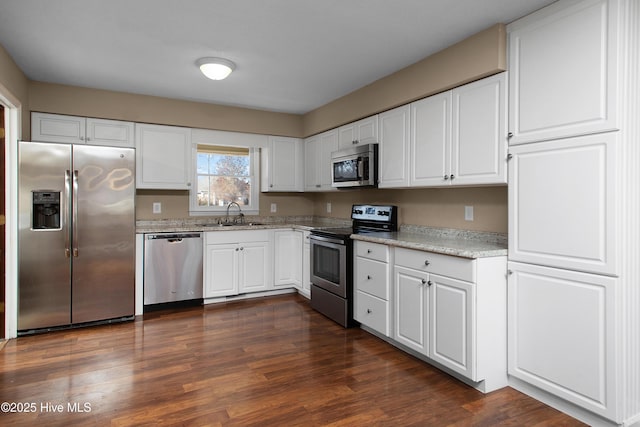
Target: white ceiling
(291, 55)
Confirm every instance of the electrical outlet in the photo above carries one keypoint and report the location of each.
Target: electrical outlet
(328, 207)
(274, 208)
(468, 213)
(157, 207)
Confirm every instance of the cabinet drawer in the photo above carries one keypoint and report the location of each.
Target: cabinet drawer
(372, 312)
(372, 250)
(372, 277)
(445, 265)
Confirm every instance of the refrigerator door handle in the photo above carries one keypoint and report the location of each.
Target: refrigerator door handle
(67, 193)
(74, 204)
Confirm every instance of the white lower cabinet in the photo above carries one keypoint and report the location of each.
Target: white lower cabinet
(561, 334)
(411, 305)
(371, 288)
(237, 262)
(449, 310)
(288, 258)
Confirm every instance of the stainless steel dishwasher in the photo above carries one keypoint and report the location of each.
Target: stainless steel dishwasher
(172, 267)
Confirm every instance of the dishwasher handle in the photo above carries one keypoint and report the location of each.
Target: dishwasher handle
(173, 238)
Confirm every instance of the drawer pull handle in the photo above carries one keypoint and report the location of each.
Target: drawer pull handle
(368, 251)
(426, 262)
(369, 311)
(368, 277)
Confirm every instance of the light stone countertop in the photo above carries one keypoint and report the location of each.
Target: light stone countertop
(461, 243)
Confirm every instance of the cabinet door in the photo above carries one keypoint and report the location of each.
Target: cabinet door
(221, 270)
(311, 163)
(58, 128)
(561, 334)
(411, 305)
(163, 157)
(553, 94)
(452, 324)
(479, 132)
(562, 203)
(393, 148)
(283, 169)
(360, 132)
(430, 141)
(113, 133)
(288, 258)
(255, 271)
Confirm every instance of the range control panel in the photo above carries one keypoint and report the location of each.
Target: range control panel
(379, 213)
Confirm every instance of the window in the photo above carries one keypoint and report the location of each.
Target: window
(224, 175)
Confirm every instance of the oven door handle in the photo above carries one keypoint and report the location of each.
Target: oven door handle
(327, 239)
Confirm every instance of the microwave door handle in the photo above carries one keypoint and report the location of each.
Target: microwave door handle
(359, 173)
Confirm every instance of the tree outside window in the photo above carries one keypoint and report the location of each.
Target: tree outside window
(223, 176)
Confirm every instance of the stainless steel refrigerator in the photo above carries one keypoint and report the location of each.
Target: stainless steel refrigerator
(76, 235)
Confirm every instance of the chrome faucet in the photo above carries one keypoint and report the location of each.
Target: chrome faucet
(240, 215)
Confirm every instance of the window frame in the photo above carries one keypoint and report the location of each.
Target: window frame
(254, 173)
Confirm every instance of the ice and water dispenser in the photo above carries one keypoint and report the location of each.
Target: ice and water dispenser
(46, 210)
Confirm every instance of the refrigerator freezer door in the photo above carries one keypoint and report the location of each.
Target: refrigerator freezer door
(44, 290)
(103, 241)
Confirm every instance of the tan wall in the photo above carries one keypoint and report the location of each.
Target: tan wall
(434, 207)
(175, 204)
(478, 56)
(78, 101)
(15, 83)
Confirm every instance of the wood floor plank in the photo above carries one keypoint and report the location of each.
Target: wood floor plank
(262, 362)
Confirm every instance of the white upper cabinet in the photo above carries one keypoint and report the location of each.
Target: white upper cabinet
(282, 163)
(456, 137)
(163, 157)
(562, 203)
(360, 132)
(393, 148)
(317, 161)
(563, 65)
(431, 141)
(81, 130)
(479, 132)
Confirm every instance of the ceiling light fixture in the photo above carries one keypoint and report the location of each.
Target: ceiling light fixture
(215, 68)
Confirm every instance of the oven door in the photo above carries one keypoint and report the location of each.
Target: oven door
(329, 264)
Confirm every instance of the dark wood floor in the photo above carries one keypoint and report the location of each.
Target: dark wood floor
(266, 362)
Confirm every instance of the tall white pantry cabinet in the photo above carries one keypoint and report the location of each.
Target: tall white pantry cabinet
(574, 208)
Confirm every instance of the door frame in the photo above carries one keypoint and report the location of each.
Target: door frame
(12, 122)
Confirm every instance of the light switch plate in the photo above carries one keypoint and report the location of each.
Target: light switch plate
(157, 207)
(328, 207)
(274, 208)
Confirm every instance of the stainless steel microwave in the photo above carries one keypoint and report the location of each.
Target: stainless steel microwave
(355, 166)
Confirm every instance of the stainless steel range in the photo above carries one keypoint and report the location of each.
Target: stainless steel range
(332, 260)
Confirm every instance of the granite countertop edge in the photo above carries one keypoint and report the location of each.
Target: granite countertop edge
(454, 242)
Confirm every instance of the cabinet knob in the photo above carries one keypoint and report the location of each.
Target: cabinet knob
(446, 177)
(188, 184)
(369, 311)
(368, 277)
(271, 185)
(509, 272)
(237, 249)
(368, 251)
(242, 249)
(318, 185)
(88, 139)
(452, 176)
(510, 135)
(423, 281)
(426, 262)
(429, 283)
